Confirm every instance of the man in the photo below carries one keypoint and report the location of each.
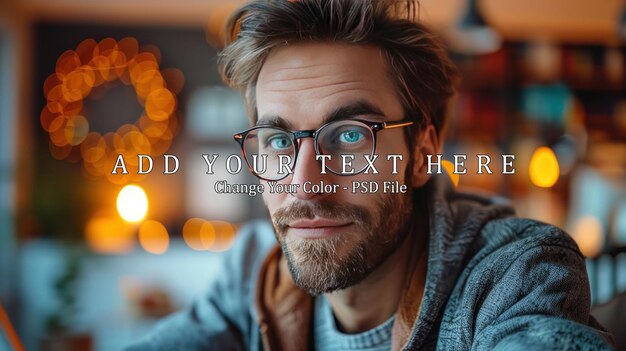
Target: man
(329, 84)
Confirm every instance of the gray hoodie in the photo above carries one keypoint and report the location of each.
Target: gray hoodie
(494, 282)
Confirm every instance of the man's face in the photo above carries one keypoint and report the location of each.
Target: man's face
(334, 240)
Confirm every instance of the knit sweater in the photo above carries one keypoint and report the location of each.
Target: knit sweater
(328, 337)
(493, 282)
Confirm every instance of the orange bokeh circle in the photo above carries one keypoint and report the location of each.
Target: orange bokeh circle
(92, 64)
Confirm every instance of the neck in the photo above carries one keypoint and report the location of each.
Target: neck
(354, 307)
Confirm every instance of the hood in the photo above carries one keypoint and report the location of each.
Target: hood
(456, 220)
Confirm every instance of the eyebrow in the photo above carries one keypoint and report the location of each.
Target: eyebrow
(351, 110)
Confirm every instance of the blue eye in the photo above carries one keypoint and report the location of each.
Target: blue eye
(279, 142)
(351, 136)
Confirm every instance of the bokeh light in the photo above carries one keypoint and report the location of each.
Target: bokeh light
(449, 167)
(132, 203)
(92, 64)
(587, 233)
(203, 235)
(109, 235)
(76, 130)
(198, 234)
(544, 167)
(153, 237)
(224, 236)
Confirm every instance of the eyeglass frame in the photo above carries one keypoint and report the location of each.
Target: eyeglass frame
(296, 135)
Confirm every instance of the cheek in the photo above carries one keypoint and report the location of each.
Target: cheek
(370, 189)
(394, 150)
(272, 200)
(388, 169)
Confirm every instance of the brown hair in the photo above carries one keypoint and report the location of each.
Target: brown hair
(420, 68)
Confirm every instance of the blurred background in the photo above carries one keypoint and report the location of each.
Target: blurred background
(90, 260)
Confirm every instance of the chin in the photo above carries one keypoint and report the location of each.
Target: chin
(324, 265)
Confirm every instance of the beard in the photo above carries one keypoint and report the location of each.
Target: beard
(323, 265)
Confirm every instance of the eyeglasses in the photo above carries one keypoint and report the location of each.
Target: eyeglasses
(269, 150)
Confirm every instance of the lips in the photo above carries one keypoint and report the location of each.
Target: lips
(317, 228)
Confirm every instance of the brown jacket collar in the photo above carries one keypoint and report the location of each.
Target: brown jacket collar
(284, 311)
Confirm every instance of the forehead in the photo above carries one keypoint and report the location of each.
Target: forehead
(302, 83)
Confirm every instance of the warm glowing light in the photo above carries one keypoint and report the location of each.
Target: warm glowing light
(109, 235)
(207, 235)
(93, 148)
(110, 159)
(587, 233)
(67, 63)
(160, 104)
(449, 167)
(174, 78)
(544, 168)
(151, 128)
(47, 117)
(132, 203)
(76, 129)
(58, 137)
(153, 237)
(129, 46)
(225, 236)
(202, 235)
(77, 84)
(199, 234)
(92, 64)
(85, 50)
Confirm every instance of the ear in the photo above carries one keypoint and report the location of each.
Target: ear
(427, 144)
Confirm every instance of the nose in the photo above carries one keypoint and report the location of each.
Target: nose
(307, 169)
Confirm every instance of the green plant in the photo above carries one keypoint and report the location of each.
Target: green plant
(65, 288)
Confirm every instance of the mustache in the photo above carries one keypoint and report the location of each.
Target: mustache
(325, 209)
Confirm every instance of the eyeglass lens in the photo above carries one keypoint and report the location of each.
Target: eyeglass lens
(269, 150)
